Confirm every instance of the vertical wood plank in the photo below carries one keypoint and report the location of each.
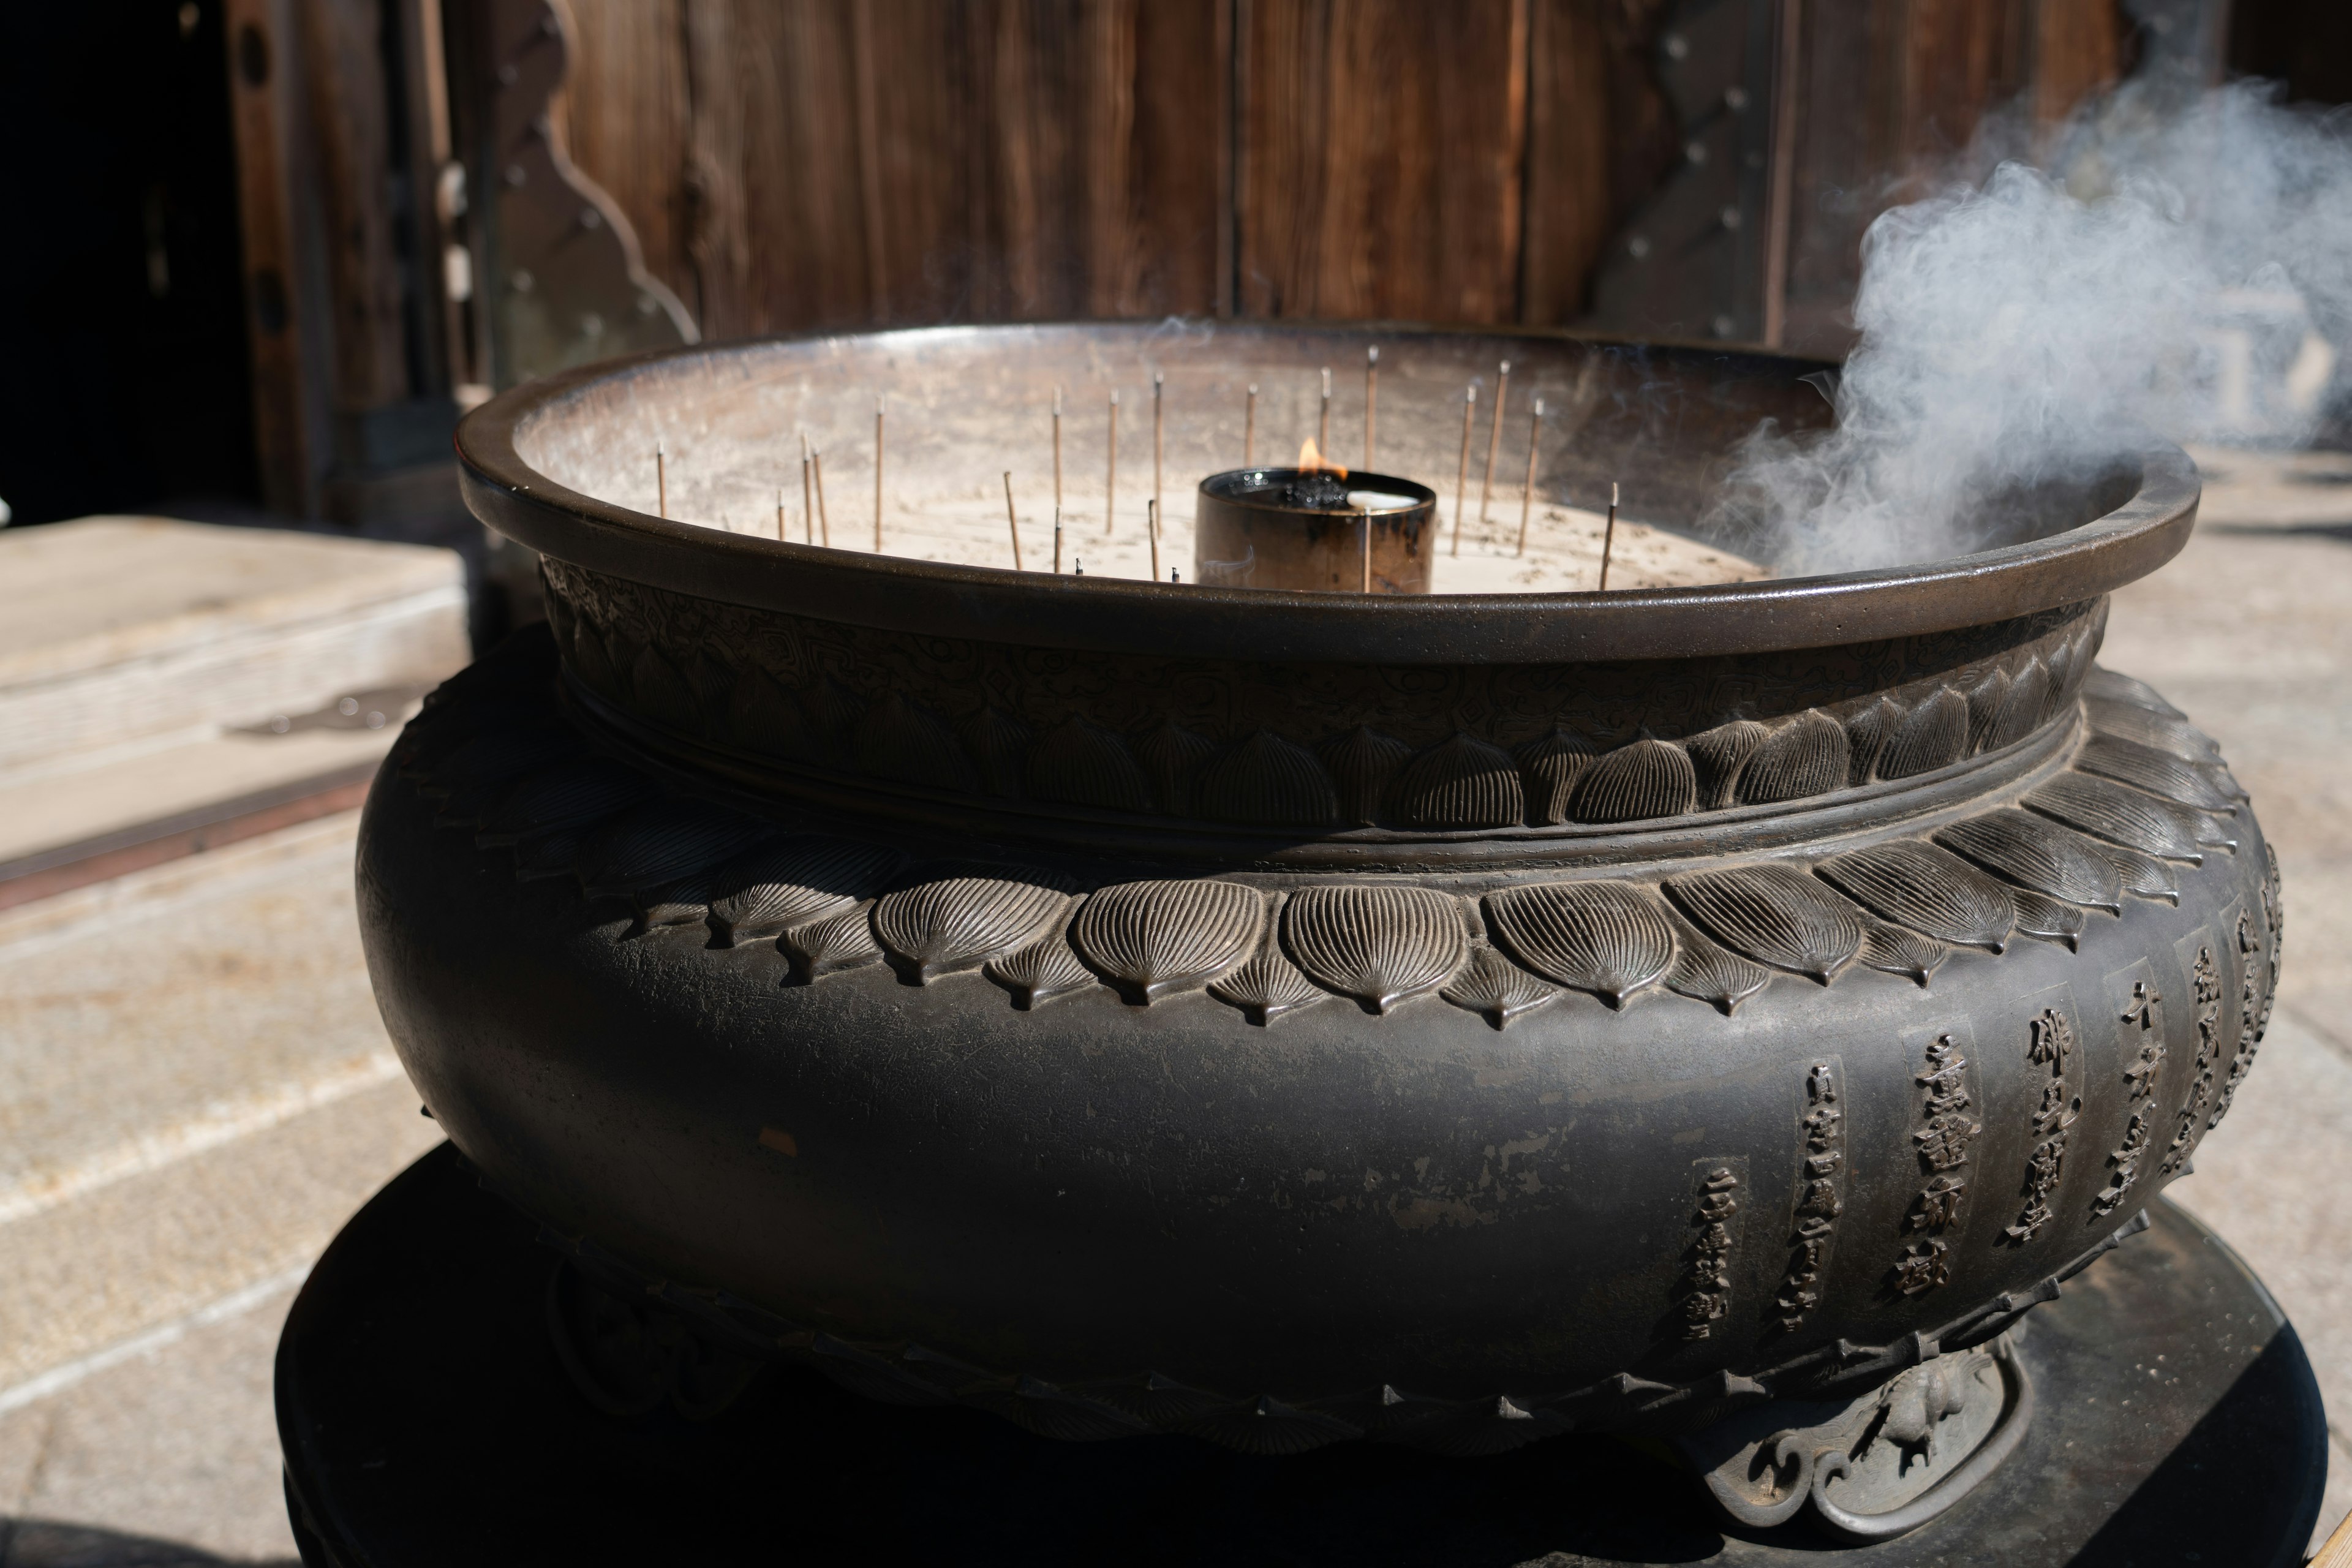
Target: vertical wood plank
(343, 73)
(1600, 138)
(1384, 145)
(2078, 50)
(626, 118)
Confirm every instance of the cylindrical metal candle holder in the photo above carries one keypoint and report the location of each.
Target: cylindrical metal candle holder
(1306, 530)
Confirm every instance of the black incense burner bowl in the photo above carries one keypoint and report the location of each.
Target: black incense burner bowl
(1295, 1017)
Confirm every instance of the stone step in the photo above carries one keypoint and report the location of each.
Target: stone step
(116, 628)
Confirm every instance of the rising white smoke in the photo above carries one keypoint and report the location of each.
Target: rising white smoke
(2184, 274)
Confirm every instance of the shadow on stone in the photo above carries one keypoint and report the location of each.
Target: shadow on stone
(50, 1543)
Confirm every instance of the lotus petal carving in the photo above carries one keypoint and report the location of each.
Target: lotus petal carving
(908, 743)
(1379, 943)
(1267, 987)
(785, 884)
(1078, 764)
(1461, 781)
(571, 795)
(2035, 852)
(1607, 938)
(831, 945)
(1705, 971)
(2104, 684)
(1361, 762)
(662, 841)
(1806, 756)
(1173, 756)
(1040, 972)
(1717, 757)
(951, 923)
(1775, 914)
(1898, 950)
(1550, 765)
(2121, 815)
(2130, 721)
(1934, 734)
(1266, 779)
(2157, 773)
(1152, 938)
(1932, 890)
(2041, 916)
(1493, 985)
(1646, 779)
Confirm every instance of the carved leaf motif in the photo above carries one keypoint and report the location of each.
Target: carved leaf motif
(591, 660)
(1552, 764)
(1717, 757)
(554, 853)
(1988, 700)
(1607, 938)
(1051, 1412)
(1899, 951)
(1173, 756)
(832, 708)
(1480, 1428)
(2121, 816)
(764, 716)
(1707, 973)
(2036, 853)
(1868, 731)
(2106, 685)
(1152, 938)
(2046, 918)
(831, 945)
(2130, 721)
(1266, 779)
(1934, 734)
(1932, 890)
(997, 743)
(1461, 781)
(1078, 764)
(1492, 984)
(1379, 943)
(1648, 778)
(2129, 761)
(786, 884)
(574, 795)
(1267, 987)
(1805, 757)
(1361, 762)
(2143, 875)
(659, 690)
(2062, 673)
(2028, 694)
(906, 741)
(1775, 914)
(1040, 972)
(480, 767)
(959, 922)
(663, 842)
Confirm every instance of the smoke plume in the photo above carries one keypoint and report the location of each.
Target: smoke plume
(2180, 272)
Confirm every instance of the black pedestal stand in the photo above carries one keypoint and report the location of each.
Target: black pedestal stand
(427, 1420)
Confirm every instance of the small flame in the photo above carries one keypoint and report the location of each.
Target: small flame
(1311, 461)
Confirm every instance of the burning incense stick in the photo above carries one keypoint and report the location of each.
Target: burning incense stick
(877, 476)
(661, 484)
(1323, 424)
(1110, 475)
(1057, 449)
(1461, 476)
(808, 504)
(1159, 451)
(1493, 441)
(823, 522)
(1608, 538)
(1011, 522)
(1057, 542)
(1372, 400)
(1528, 490)
(1249, 428)
(1151, 521)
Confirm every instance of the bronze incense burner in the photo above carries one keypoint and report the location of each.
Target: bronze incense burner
(1295, 1017)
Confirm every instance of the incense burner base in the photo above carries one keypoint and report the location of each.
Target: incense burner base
(427, 1417)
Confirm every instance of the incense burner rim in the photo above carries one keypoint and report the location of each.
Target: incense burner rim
(1106, 615)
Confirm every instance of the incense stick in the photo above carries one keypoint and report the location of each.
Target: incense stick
(1011, 522)
(1372, 400)
(1365, 521)
(877, 476)
(1057, 449)
(1158, 451)
(1249, 428)
(823, 522)
(1493, 441)
(661, 484)
(1608, 538)
(808, 505)
(1057, 542)
(1461, 476)
(1152, 521)
(1323, 424)
(1528, 490)
(780, 514)
(1110, 476)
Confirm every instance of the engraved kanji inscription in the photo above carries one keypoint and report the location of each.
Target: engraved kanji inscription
(2250, 1006)
(2205, 990)
(1942, 1142)
(1707, 1299)
(2050, 1044)
(2140, 1047)
(1818, 1201)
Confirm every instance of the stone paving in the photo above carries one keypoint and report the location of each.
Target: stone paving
(195, 1090)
